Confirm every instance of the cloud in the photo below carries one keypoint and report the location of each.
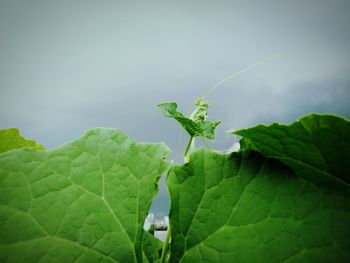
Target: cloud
(66, 67)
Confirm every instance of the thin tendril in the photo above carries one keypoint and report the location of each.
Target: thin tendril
(239, 73)
(236, 74)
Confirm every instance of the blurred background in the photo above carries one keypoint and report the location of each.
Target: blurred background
(67, 66)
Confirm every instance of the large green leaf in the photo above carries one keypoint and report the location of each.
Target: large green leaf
(11, 139)
(83, 202)
(316, 146)
(243, 207)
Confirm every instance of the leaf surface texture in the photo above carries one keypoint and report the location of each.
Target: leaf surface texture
(244, 207)
(11, 139)
(316, 146)
(83, 202)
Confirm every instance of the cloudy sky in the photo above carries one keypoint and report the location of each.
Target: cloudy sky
(67, 66)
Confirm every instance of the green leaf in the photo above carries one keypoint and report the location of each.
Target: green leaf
(11, 139)
(83, 202)
(243, 207)
(194, 128)
(208, 128)
(169, 110)
(152, 248)
(316, 146)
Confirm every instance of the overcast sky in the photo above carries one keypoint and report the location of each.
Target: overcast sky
(67, 66)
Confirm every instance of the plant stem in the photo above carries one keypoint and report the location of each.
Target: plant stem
(188, 147)
(165, 246)
(168, 234)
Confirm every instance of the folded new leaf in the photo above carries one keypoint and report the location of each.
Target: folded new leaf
(195, 128)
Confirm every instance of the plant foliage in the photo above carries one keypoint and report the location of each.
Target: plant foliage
(11, 139)
(83, 202)
(284, 197)
(197, 124)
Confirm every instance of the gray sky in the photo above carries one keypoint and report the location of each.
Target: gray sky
(67, 66)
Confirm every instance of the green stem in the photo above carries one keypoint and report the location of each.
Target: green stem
(188, 147)
(165, 246)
